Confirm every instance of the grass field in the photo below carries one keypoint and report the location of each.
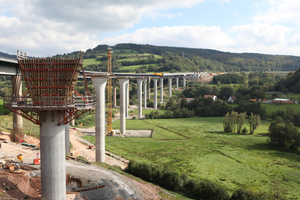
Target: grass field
(90, 61)
(145, 111)
(133, 67)
(231, 160)
(270, 108)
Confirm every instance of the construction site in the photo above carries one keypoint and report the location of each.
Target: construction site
(40, 169)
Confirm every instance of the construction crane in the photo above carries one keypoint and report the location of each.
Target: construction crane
(109, 130)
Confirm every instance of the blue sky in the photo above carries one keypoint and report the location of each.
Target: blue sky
(49, 27)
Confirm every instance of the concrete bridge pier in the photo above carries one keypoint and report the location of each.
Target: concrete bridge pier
(149, 87)
(170, 87)
(99, 84)
(161, 90)
(145, 93)
(126, 97)
(17, 119)
(155, 92)
(123, 104)
(53, 168)
(114, 93)
(139, 96)
(67, 138)
(184, 83)
(177, 79)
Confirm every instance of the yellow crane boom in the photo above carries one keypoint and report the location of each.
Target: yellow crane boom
(109, 130)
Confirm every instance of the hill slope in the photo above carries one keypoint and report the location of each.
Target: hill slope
(290, 83)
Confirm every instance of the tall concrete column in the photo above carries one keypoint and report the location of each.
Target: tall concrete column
(73, 122)
(126, 98)
(114, 93)
(99, 84)
(177, 79)
(184, 83)
(139, 96)
(67, 138)
(155, 92)
(170, 87)
(145, 93)
(161, 90)
(123, 104)
(148, 87)
(17, 119)
(53, 167)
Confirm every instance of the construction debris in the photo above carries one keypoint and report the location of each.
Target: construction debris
(78, 159)
(85, 189)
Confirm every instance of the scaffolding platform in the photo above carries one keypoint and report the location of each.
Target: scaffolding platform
(50, 85)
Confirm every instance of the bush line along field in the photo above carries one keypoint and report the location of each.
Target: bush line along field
(234, 161)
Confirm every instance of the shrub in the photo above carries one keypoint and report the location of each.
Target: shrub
(241, 194)
(244, 131)
(283, 134)
(211, 191)
(172, 180)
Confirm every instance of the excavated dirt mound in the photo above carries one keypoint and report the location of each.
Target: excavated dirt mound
(18, 186)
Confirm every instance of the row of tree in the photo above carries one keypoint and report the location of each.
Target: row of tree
(234, 121)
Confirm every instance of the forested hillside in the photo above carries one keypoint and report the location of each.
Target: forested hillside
(289, 84)
(5, 55)
(157, 58)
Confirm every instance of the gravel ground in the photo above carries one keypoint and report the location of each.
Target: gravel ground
(116, 186)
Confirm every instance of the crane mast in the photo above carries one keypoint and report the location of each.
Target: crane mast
(109, 130)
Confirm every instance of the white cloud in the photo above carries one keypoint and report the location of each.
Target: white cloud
(261, 37)
(225, 1)
(56, 26)
(184, 36)
(281, 11)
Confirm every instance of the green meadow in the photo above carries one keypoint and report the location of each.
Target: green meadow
(199, 147)
(90, 61)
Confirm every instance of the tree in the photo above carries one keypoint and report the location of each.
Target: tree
(254, 121)
(226, 91)
(240, 121)
(227, 123)
(183, 102)
(283, 134)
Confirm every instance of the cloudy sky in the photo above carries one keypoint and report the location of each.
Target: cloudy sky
(50, 27)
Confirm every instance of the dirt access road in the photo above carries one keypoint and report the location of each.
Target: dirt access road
(116, 187)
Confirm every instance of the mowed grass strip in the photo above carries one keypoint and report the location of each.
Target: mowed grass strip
(232, 160)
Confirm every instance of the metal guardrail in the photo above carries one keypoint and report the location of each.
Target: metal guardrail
(49, 103)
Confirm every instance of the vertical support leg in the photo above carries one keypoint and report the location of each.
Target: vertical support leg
(170, 87)
(184, 83)
(149, 88)
(99, 84)
(114, 93)
(17, 119)
(67, 138)
(155, 93)
(139, 93)
(123, 104)
(145, 93)
(53, 168)
(177, 79)
(126, 98)
(161, 90)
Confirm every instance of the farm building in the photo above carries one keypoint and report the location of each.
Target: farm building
(278, 100)
(212, 96)
(231, 99)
